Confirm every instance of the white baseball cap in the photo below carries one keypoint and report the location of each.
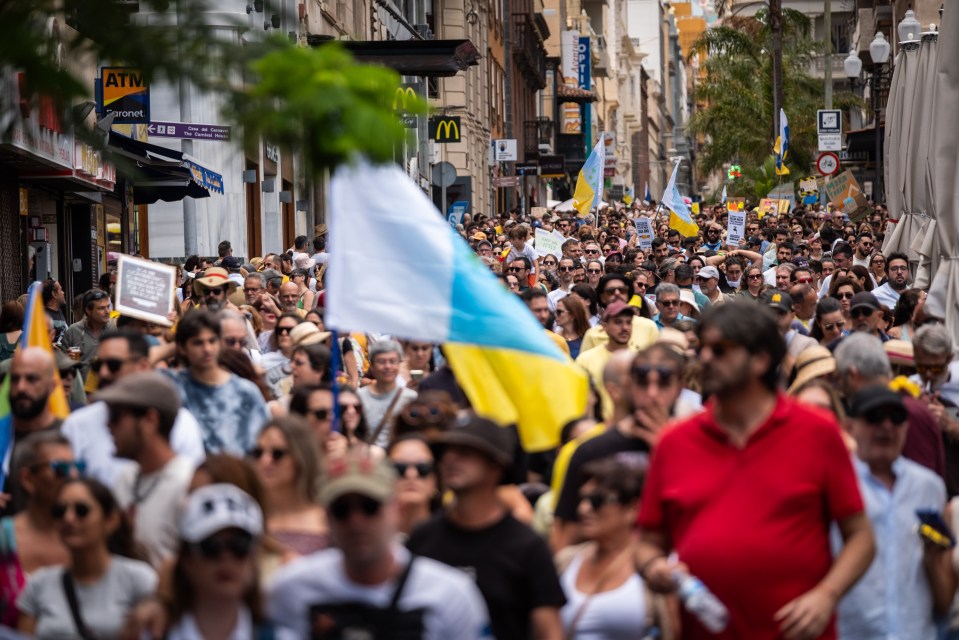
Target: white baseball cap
(217, 507)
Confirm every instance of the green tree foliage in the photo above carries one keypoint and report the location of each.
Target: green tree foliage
(735, 100)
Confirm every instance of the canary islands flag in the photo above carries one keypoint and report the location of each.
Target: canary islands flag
(589, 184)
(680, 217)
(399, 269)
(782, 145)
(36, 334)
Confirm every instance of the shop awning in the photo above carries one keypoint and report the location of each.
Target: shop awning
(164, 174)
(421, 58)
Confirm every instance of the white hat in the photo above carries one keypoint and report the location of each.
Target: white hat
(687, 296)
(217, 507)
(709, 272)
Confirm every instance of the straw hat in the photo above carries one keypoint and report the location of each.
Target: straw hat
(213, 277)
(813, 362)
(900, 352)
(307, 333)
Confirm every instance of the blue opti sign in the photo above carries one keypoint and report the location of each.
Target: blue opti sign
(583, 63)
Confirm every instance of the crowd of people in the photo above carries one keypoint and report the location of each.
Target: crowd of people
(772, 422)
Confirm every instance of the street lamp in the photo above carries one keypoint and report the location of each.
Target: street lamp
(879, 50)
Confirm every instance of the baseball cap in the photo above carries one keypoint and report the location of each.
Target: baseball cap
(876, 397)
(709, 272)
(231, 262)
(778, 300)
(147, 390)
(216, 507)
(485, 436)
(864, 299)
(754, 241)
(618, 308)
(357, 472)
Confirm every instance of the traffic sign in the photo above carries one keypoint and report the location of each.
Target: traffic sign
(188, 130)
(443, 174)
(829, 129)
(827, 163)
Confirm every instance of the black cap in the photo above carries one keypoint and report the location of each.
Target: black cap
(231, 262)
(871, 399)
(485, 436)
(778, 300)
(864, 299)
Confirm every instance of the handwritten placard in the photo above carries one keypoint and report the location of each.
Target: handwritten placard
(145, 290)
(735, 229)
(547, 243)
(644, 232)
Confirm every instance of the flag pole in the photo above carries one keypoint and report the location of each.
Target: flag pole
(335, 382)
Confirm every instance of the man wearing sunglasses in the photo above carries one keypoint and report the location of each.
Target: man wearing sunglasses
(864, 245)
(477, 533)
(565, 273)
(142, 410)
(368, 586)
(867, 316)
(119, 356)
(719, 480)
(910, 582)
(212, 289)
(86, 333)
(615, 287)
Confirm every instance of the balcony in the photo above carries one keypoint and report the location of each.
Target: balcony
(536, 133)
(528, 50)
(573, 147)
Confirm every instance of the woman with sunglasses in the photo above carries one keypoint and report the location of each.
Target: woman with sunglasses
(416, 489)
(594, 272)
(269, 313)
(287, 459)
(752, 285)
(216, 585)
(830, 323)
(843, 290)
(877, 265)
(102, 579)
(573, 323)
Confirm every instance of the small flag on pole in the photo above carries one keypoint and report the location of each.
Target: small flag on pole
(724, 194)
(589, 184)
(646, 196)
(782, 145)
(680, 218)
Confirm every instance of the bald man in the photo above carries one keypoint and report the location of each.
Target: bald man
(289, 295)
(31, 383)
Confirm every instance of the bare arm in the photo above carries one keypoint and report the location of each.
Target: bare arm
(546, 624)
(26, 624)
(562, 535)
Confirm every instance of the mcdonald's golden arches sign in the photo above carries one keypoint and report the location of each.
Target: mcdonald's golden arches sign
(444, 129)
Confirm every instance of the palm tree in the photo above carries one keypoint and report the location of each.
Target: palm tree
(734, 110)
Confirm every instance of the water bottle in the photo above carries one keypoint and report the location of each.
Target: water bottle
(701, 602)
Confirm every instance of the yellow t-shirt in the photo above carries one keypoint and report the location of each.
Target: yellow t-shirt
(645, 333)
(559, 340)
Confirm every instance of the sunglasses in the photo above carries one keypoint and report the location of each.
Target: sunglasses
(668, 304)
(80, 509)
(803, 280)
(879, 415)
(346, 406)
(322, 414)
(845, 296)
(515, 269)
(275, 454)
(280, 331)
(423, 469)
(721, 347)
(234, 342)
(215, 291)
(597, 500)
(755, 276)
(860, 312)
(594, 271)
(239, 545)
(567, 269)
(342, 509)
(591, 251)
(549, 264)
(63, 468)
(113, 364)
(616, 290)
(640, 375)
(834, 325)
(934, 369)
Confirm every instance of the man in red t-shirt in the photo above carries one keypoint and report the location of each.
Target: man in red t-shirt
(745, 492)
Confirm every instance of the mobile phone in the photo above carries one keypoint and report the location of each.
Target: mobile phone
(934, 529)
(416, 374)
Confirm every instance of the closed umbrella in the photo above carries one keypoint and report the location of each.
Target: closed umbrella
(944, 295)
(924, 243)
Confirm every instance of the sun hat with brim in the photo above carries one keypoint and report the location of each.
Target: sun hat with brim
(307, 333)
(357, 472)
(814, 362)
(687, 296)
(212, 278)
(304, 261)
(216, 507)
(900, 352)
(495, 442)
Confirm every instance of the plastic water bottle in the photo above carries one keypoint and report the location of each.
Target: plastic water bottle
(701, 602)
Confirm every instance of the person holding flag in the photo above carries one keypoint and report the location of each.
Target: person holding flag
(589, 184)
(782, 145)
(680, 217)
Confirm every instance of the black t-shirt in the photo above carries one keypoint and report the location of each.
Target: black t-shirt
(512, 567)
(602, 446)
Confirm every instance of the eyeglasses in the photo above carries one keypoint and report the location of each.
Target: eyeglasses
(754, 276)
(845, 295)
(899, 268)
(80, 509)
(863, 312)
(283, 330)
(549, 264)
(423, 469)
(594, 271)
(321, 414)
(238, 544)
(597, 500)
(592, 251)
(640, 375)
(567, 269)
(275, 454)
(934, 369)
(639, 285)
(667, 303)
(235, 342)
(834, 325)
(113, 364)
(343, 508)
(346, 406)
(249, 290)
(63, 468)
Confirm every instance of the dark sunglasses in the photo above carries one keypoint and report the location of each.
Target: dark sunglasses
(567, 269)
(423, 469)
(62, 468)
(879, 415)
(239, 545)
(275, 454)
(342, 509)
(283, 330)
(549, 263)
(845, 296)
(669, 304)
(431, 415)
(113, 364)
(592, 251)
(755, 276)
(833, 325)
(515, 269)
(594, 271)
(721, 347)
(234, 342)
(616, 290)
(215, 291)
(322, 414)
(640, 375)
(80, 509)
(861, 312)
(597, 500)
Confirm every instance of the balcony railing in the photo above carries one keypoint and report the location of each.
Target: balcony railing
(528, 50)
(537, 132)
(573, 147)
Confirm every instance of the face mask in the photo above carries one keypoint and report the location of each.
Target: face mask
(697, 289)
(733, 283)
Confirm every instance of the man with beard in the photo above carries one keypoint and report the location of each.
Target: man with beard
(722, 480)
(118, 356)
(31, 383)
(213, 288)
(897, 280)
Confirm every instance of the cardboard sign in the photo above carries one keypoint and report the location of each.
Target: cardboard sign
(547, 243)
(735, 229)
(846, 195)
(537, 212)
(644, 231)
(735, 204)
(145, 289)
(809, 190)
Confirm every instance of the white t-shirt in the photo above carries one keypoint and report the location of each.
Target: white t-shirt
(156, 499)
(453, 608)
(186, 629)
(87, 431)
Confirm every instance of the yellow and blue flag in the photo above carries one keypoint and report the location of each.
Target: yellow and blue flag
(400, 270)
(782, 145)
(680, 217)
(589, 184)
(36, 334)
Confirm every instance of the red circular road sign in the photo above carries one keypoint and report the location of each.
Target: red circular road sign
(827, 163)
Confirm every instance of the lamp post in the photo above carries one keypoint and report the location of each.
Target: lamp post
(879, 52)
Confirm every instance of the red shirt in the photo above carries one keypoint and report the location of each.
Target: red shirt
(752, 523)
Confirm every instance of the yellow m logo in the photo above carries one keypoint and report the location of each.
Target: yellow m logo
(446, 129)
(403, 97)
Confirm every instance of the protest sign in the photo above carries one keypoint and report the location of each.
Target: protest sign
(644, 231)
(736, 204)
(846, 195)
(537, 212)
(735, 229)
(547, 243)
(145, 289)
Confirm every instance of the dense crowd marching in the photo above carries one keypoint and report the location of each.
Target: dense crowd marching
(770, 449)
